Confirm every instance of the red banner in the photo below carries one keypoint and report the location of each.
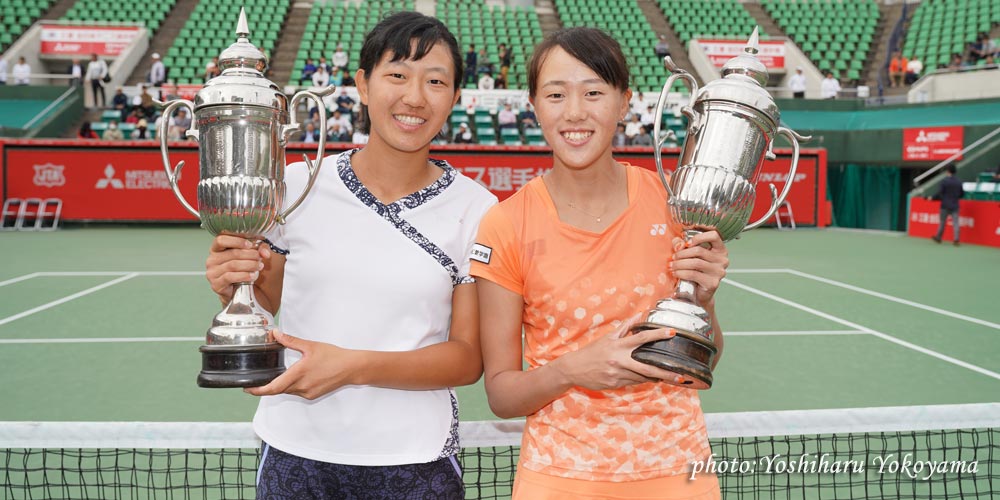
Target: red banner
(106, 181)
(772, 53)
(932, 143)
(979, 221)
(62, 40)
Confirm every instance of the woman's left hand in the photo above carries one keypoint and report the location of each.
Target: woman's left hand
(702, 261)
(323, 368)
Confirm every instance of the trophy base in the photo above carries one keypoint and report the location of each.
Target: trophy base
(226, 366)
(687, 354)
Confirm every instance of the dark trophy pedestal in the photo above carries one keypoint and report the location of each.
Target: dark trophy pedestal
(224, 366)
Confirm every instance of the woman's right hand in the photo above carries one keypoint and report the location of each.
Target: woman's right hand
(232, 259)
(607, 363)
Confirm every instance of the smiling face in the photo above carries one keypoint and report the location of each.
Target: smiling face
(409, 100)
(578, 110)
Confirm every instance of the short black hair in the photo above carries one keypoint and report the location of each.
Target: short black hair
(591, 46)
(951, 168)
(396, 32)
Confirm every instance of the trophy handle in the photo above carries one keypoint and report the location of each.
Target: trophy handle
(173, 174)
(294, 126)
(658, 138)
(779, 199)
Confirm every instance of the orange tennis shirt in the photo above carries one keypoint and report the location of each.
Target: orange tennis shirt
(578, 286)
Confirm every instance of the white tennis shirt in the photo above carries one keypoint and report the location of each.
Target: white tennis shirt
(363, 275)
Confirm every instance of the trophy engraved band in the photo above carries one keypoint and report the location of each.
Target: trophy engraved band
(732, 123)
(242, 122)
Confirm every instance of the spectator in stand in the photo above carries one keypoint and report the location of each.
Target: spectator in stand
(503, 54)
(913, 70)
(638, 104)
(310, 134)
(3, 71)
(949, 193)
(337, 132)
(359, 137)
(830, 87)
(345, 104)
(632, 128)
(143, 101)
(307, 72)
(171, 92)
(648, 117)
(528, 118)
(486, 81)
(141, 128)
(485, 65)
(507, 118)
(956, 62)
(320, 78)
(344, 121)
(86, 132)
(120, 102)
(158, 72)
(76, 73)
(178, 125)
(662, 48)
(339, 59)
(113, 133)
(325, 65)
(797, 84)
(463, 135)
(897, 69)
(337, 78)
(644, 138)
(981, 47)
(22, 72)
(619, 139)
(97, 71)
(471, 65)
(212, 69)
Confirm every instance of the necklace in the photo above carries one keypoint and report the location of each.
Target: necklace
(597, 217)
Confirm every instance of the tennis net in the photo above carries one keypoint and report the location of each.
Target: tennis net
(926, 452)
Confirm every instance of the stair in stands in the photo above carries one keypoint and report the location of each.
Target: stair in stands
(547, 18)
(678, 52)
(877, 61)
(58, 10)
(164, 38)
(766, 23)
(283, 59)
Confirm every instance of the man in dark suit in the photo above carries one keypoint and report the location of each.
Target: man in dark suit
(949, 193)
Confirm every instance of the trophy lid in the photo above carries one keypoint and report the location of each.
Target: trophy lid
(743, 80)
(242, 79)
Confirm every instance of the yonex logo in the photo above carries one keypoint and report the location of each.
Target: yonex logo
(109, 179)
(658, 230)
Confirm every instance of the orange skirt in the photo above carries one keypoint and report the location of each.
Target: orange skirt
(530, 485)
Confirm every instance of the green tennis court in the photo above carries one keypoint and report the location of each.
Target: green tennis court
(103, 324)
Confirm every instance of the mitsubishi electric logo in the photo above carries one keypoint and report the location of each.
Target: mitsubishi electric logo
(109, 179)
(135, 179)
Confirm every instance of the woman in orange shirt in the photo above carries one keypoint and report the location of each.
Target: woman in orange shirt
(573, 259)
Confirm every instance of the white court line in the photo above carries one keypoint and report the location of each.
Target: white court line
(793, 332)
(122, 273)
(856, 326)
(101, 340)
(18, 279)
(63, 300)
(894, 299)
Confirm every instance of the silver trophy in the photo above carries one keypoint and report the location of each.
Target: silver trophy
(732, 123)
(242, 122)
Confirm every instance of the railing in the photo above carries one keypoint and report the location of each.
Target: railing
(936, 168)
(894, 42)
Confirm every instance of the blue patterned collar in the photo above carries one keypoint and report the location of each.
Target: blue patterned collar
(407, 202)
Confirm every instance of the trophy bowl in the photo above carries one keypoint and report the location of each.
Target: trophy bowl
(242, 122)
(732, 124)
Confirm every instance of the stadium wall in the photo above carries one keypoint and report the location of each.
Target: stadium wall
(122, 182)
